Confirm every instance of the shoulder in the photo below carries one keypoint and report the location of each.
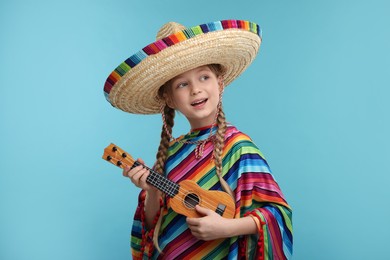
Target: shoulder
(239, 142)
(233, 132)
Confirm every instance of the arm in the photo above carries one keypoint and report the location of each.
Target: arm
(146, 213)
(152, 198)
(152, 207)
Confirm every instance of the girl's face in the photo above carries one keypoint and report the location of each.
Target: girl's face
(195, 94)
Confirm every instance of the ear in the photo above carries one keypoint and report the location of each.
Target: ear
(168, 101)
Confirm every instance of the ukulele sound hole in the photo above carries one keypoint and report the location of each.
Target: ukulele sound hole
(191, 200)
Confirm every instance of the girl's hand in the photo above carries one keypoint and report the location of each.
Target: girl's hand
(138, 176)
(209, 227)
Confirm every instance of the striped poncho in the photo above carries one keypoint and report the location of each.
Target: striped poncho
(256, 194)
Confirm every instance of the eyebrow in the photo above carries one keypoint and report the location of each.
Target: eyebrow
(203, 68)
(197, 70)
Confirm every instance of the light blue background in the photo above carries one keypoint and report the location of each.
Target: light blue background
(316, 101)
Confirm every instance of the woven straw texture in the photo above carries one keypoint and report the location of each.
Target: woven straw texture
(136, 91)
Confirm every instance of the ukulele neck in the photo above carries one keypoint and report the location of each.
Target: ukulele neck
(120, 158)
(160, 182)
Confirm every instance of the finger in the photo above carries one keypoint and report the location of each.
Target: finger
(140, 179)
(125, 171)
(144, 176)
(136, 177)
(136, 167)
(198, 235)
(194, 229)
(203, 211)
(134, 171)
(140, 161)
(192, 222)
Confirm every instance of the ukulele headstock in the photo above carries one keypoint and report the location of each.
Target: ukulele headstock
(117, 156)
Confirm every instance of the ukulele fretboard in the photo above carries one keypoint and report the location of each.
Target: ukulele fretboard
(160, 182)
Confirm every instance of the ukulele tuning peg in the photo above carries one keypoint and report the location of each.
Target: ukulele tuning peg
(119, 163)
(124, 155)
(109, 158)
(114, 149)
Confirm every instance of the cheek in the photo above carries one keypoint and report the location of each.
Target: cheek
(174, 100)
(217, 93)
(180, 95)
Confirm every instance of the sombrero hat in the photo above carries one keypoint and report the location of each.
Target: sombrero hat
(133, 86)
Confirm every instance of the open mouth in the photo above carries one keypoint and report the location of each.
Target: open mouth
(199, 102)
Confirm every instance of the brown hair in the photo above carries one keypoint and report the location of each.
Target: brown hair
(166, 133)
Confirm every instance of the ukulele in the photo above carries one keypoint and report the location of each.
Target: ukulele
(184, 196)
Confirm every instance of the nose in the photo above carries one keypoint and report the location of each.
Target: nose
(194, 89)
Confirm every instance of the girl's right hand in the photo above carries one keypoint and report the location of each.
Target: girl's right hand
(138, 176)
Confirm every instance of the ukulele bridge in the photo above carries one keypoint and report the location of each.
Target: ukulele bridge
(220, 209)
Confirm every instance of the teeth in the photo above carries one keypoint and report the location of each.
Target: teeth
(198, 102)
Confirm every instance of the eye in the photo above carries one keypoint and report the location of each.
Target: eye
(181, 85)
(204, 77)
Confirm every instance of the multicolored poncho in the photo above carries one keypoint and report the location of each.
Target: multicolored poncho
(256, 194)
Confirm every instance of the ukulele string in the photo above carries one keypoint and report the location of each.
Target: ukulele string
(184, 194)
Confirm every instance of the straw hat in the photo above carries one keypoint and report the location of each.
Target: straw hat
(134, 84)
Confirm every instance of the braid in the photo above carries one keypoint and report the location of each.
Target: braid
(218, 150)
(161, 156)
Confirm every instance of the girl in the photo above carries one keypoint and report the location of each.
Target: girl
(186, 70)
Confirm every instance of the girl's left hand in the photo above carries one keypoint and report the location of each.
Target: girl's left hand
(209, 227)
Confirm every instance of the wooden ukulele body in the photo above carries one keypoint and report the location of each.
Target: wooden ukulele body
(191, 194)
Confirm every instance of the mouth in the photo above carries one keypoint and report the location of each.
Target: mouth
(199, 102)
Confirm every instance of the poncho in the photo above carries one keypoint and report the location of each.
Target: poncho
(256, 193)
